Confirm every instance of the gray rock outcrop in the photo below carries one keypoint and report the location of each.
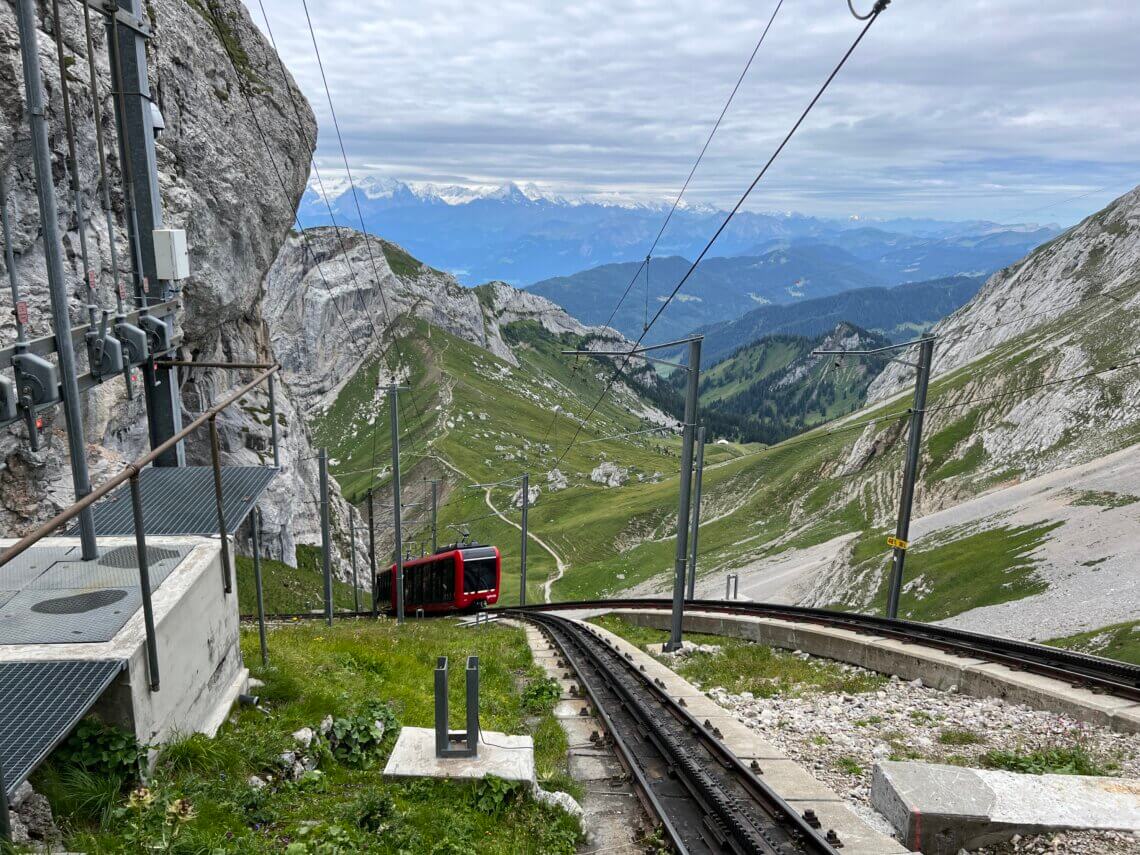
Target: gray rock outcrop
(233, 162)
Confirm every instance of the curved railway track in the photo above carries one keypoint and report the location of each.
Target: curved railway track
(1078, 669)
(706, 799)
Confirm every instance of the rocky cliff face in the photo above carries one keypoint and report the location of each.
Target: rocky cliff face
(231, 172)
(333, 294)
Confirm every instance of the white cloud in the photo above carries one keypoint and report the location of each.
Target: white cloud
(970, 108)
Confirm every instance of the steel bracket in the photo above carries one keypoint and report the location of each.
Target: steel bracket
(444, 738)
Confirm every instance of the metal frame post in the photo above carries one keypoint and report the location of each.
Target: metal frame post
(326, 540)
(434, 516)
(695, 531)
(53, 255)
(444, 738)
(216, 459)
(5, 811)
(372, 554)
(135, 123)
(352, 540)
(273, 424)
(681, 555)
(396, 508)
(255, 534)
(522, 548)
(910, 473)
(144, 583)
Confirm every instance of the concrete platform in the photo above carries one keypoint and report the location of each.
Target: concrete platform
(500, 754)
(940, 809)
(196, 623)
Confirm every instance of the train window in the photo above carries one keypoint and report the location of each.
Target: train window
(478, 574)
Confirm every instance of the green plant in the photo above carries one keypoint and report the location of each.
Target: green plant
(103, 750)
(493, 794)
(960, 736)
(1058, 760)
(372, 810)
(540, 695)
(849, 765)
(80, 794)
(356, 740)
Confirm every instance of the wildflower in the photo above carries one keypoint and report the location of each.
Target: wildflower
(180, 811)
(140, 797)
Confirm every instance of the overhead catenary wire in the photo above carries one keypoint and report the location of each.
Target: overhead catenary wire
(688, 179)
(879, 6)
(384, 350)
(355, 199)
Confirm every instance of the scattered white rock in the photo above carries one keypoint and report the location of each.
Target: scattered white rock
(304, 736)
(558, 799)
(610, 474)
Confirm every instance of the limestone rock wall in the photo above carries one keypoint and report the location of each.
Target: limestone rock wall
(231, 171)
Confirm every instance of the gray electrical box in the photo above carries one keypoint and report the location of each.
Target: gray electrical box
(171, 257)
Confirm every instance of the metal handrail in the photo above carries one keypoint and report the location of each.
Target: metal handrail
(130, 473)
(132, 470)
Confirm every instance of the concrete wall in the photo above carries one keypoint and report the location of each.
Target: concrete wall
(201, 671)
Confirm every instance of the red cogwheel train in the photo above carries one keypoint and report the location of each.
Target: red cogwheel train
(459, 578)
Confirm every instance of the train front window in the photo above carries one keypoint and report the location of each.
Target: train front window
(478, 574)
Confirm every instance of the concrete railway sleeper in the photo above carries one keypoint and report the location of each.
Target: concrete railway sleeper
(706, 799)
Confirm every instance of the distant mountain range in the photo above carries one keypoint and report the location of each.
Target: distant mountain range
(520, 235)
(897, 313)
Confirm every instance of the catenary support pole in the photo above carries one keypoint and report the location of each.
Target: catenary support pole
(352, 541)
(434, 517)
(522, 547)
(681, 554)
(135, 120)
(273, 424)
(914, 446)
(695, 531)
(255, 537)
(372, 553)
(326, 539)
(57, 284)
(397, 509)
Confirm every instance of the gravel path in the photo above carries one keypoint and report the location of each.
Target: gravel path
(839, 737)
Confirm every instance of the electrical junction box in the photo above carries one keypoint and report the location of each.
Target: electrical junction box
(171, 258)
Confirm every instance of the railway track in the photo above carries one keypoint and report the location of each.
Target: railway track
(1095, 673)
(707, 800)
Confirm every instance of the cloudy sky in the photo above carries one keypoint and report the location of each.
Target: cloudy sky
(1014, 110)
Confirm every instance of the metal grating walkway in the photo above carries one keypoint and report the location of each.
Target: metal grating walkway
(48, 595)
(180, 500)
(40, 703)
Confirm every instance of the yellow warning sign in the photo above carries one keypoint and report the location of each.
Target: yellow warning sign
(896, 542)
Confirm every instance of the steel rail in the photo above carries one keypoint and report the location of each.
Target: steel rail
(132, 469)
(1082, 670)
(705, 797)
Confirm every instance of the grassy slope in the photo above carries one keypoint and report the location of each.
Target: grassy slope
(317, 671)
(744, 666)
(1120, 641)
(290, 589)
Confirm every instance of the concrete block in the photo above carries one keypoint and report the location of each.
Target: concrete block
(1045, 693)
(508, 757)
(593, 767)
(571, 709)
(940, 809)
(938, 669)
(1127, 720)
